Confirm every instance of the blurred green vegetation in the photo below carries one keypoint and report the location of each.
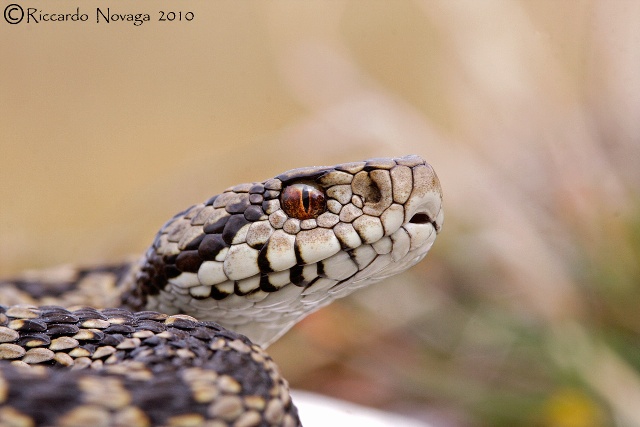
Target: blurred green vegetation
(467, 361)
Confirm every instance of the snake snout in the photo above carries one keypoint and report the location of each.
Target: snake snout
(424, 205)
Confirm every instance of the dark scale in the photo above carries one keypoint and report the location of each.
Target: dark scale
(299, 260)
(217, 226)
(266, 285)
(320, 269)
(170, 271)
(256, 199)
(295, 275)
(308, 174)
(119, 329)
(87, 313)
(114, 339)
(239, 206)
(256, 189)
(253, 213)
(150, 325)
(189, 261)
(210, 246)
(34, 340)
(235, 223)
(217, 294)
(263, 260)
(62, 329)
(29, 325)
(271, 194)
(195, 243)
(58, 316)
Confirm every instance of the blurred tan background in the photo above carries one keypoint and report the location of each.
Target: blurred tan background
(526, 310)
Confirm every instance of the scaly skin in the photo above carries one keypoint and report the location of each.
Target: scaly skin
(255, 259)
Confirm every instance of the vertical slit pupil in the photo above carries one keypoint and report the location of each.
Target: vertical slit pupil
(303, 201)
(306, 200)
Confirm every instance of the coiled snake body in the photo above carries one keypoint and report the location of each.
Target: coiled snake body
(250, 262)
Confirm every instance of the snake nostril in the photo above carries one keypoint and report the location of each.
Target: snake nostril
(364, 186)
(420, 218)
(373, 194)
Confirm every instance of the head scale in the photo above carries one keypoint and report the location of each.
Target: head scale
(259, 257)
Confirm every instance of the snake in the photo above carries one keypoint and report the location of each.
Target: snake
(177, 337)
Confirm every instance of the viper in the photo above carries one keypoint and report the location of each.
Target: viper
(177, 337)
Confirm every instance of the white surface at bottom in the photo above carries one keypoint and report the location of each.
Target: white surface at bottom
(320, 411)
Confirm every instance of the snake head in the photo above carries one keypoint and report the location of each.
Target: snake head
(259, 257)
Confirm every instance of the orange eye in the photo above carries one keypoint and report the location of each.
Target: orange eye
(303, 201)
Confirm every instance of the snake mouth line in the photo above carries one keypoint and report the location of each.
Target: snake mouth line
(421, 218)
(424, 218)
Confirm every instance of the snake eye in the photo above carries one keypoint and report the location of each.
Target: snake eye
(303, 201)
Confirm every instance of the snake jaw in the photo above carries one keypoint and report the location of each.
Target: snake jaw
(259, 257)
(423, 219)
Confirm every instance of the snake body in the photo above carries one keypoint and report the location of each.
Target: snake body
(183, 342)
